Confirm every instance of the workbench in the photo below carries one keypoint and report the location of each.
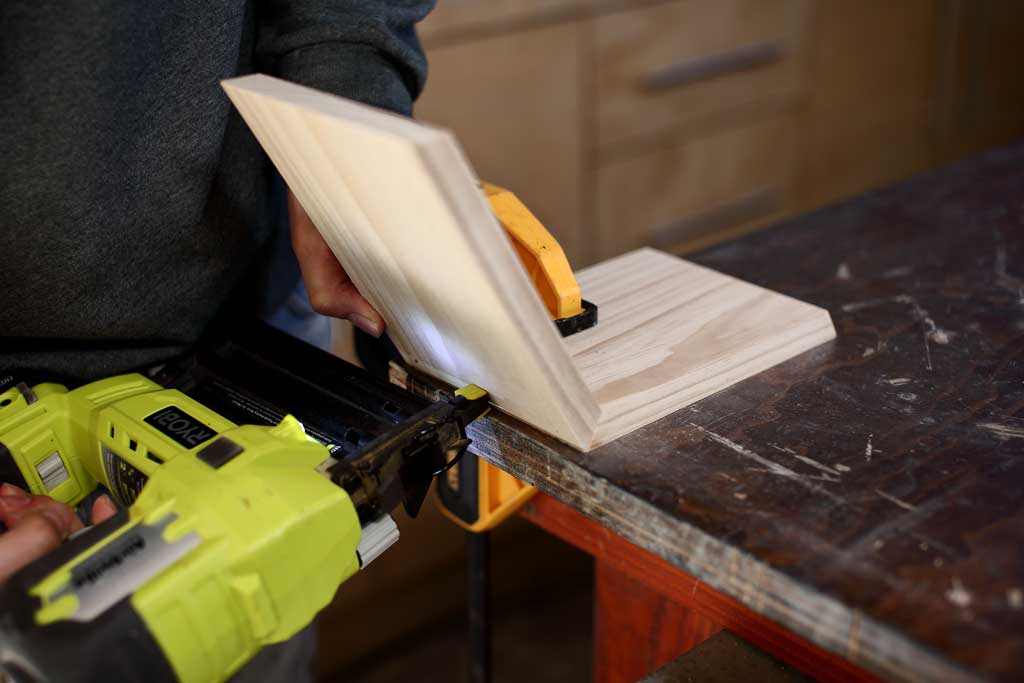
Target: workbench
(857, 511)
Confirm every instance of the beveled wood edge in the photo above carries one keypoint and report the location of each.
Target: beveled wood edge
(534, 457)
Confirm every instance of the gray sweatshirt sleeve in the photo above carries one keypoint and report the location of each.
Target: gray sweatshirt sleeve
(366, 50)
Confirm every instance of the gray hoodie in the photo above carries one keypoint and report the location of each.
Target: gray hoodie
(135, 205)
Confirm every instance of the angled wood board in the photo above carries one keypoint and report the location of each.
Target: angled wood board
(400, 207)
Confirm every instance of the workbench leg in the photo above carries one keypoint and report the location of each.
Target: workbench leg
(636, 629)
(478, 599)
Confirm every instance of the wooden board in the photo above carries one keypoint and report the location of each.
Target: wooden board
(402, 210)
(672, 332)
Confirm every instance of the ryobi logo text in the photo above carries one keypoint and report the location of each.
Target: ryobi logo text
(180, 426)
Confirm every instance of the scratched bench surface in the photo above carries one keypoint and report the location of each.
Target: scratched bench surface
(869, 494)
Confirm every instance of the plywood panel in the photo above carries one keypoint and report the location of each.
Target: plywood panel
(399, 206)
(401, 209)
(673, 332)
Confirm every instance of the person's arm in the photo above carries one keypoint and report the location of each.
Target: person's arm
(366, 50)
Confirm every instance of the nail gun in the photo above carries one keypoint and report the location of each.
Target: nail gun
(254, 477)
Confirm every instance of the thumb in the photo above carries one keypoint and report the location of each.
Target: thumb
(103, 509)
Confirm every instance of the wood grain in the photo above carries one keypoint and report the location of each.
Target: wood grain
(401, 209)
(672, 332)
(638, 629)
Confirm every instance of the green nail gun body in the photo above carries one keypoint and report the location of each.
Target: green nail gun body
(255, 477)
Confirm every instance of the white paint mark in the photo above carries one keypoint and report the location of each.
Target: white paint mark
(958, 595)
(817, 465)
(770, 466)
(807, 461)
(1015, 596)
(871, 303)
(843, 272)
(929, 330)
(869, 449)
(907, 396)
(868, 352)
(808, 477)
(739, 496)
(1002, 432)
(842, 468)
(1010, 283)
(893, 499)
(896, 381)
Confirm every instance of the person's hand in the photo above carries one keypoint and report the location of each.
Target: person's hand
(36, 525)
(330, 290)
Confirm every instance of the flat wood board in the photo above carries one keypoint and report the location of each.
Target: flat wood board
(400, 207)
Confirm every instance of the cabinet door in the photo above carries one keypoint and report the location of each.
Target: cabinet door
(866, 122)
(980, 98)
(513, 101)
(696, 192)
(685, 64)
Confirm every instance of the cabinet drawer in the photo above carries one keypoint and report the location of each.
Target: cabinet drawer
(682, 64)
(697, 192)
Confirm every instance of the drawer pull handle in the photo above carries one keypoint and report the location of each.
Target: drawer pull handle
(749, 207)
(712, 66)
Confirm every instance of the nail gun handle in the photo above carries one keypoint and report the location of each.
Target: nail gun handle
(113, 646)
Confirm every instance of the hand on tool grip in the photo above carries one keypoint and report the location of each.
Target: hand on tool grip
(36, 525)
(330, 290)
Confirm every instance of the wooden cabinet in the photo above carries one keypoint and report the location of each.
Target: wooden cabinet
(866, 117)
(683, 65)
(684, 195)
(980, 91)
(513, 103)
(684, 122)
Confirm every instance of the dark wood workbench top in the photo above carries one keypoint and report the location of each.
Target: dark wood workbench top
(869, 494)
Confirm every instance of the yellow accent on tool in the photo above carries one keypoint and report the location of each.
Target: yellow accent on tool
(475, 494)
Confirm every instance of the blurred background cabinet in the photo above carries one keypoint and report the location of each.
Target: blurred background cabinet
(681, 123)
